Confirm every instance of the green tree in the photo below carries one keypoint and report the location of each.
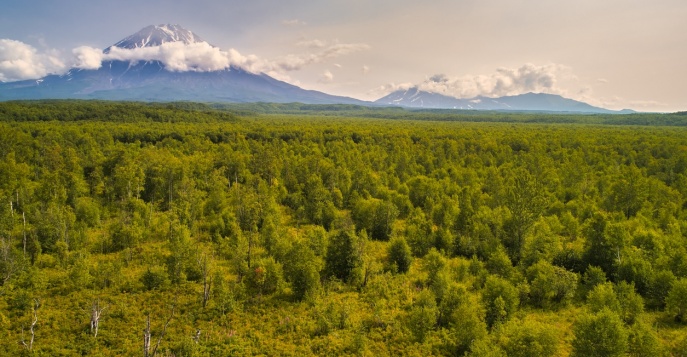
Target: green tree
(265, 277)
(399, 254)
(500, 299)
(461, 318)
(676, 301)
(526, 199)
(601, 334)
(343, 255)
(603, 296)
(524, 338)
(301, 270)
(423, 314)
(604, 243)
(549, 283)
(643, 341)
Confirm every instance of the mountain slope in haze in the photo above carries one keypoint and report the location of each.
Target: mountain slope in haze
(415, 98)
(151, 81)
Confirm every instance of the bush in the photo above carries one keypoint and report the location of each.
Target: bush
(265, 277)
(155, 278)
(549, 283)
(602, 334)
(643, 341)
(527, 338)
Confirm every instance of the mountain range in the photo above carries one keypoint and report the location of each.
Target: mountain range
(151, 80)
(541, 102)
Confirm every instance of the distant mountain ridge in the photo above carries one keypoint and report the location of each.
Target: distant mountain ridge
(416, 98)
(150, 81)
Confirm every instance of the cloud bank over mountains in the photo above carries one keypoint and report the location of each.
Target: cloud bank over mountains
(20, 61)
(503, 82)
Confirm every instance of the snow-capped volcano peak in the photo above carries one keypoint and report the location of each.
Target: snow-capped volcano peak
(156, 35)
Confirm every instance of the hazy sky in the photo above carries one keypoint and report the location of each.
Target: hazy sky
(612, 53)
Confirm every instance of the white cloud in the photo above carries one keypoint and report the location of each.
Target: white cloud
(505, 81)
(293, 22)
(202, 57)
(295, 62)
(326, 77)
(312, 43)
(86, 57)
(19, 61)
(389, 88)
(176, 56)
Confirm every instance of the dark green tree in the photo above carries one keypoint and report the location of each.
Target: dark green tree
(399, 254)
(343, 255)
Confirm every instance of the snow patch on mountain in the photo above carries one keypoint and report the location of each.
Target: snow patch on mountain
(157, 35)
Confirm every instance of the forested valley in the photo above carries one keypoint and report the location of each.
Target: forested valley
(187, 229)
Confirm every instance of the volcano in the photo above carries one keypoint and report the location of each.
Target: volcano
(155, 80)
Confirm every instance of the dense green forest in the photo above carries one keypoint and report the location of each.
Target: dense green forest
(184, 229)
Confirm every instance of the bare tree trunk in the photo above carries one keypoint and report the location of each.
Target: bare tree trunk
(23, 216)
(33, 324)
(96, 313)
(207, 282)
(162, 334)
(29, 346)
(146, 337)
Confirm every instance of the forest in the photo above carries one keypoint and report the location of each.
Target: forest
(184, 229)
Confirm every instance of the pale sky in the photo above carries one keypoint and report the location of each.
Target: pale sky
(611, 53)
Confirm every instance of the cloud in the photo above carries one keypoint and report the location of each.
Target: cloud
(326, 77)
(312, 43)
(86, 57)
(176, 56)
(294, 62)
(293, 22)
(202, 57)
(505, 81)
(389, 88)
(19, 61)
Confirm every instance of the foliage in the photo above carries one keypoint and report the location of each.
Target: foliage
(400, 255)
(500, 300)
(676, 301)
(343, 255)
(527, 338)
(490, 233)
(601, 334)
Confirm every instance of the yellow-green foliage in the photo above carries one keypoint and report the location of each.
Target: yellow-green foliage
(288, 229)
